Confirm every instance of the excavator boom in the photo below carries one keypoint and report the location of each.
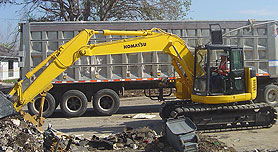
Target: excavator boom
(65, 56)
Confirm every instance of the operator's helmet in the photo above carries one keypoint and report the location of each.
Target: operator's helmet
(223, 56)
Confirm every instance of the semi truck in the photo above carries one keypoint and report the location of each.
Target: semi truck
(94, 77)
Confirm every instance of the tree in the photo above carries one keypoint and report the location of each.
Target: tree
(104, 10)
(9, 36)
(96, 10)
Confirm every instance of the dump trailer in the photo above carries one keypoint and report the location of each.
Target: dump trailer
(94, 77)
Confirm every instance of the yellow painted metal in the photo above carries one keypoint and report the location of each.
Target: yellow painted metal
(131, 33)
(44, 62)
(62, 58)
(183, 85)
(183, 60)
(67, 54)
(251, 83)
(221, 98)
(182, 89)
(251, 93)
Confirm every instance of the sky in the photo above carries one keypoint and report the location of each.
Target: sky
(234, 9)
(199, 10)
(9, 19)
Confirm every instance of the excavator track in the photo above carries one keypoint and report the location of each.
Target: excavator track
(222, 117)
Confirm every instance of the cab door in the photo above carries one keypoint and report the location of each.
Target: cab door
(237, 83)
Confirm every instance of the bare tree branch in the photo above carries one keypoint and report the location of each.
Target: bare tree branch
(73, 10)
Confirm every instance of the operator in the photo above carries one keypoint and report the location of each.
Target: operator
(222, 69)
(216, 83)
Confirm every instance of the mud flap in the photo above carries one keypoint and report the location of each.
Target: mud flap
(6, 106)
(180, 134)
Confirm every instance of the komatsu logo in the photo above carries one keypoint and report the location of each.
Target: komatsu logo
(135, 45)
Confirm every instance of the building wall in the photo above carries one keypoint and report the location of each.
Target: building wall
(6, 73)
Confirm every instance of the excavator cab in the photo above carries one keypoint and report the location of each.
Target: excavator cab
(224, 68)
(225, 79)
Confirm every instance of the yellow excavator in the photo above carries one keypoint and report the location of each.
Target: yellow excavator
(210, 100)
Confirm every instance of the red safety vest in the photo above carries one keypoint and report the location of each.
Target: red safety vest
(222, 66)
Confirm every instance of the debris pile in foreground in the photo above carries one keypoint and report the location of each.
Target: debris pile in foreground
(141, 139)
(208, 144)
(18, 135)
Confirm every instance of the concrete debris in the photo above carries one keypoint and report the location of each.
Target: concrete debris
(266, 150)
(143, 116)
(19, 135)
(263, 150)
(129, 139)
(208, 144)
(16, 122)
(126, 116)
(141, 139)
(56, 141)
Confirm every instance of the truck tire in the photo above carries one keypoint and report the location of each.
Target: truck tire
(48, 107)
(271, 94)
(74, 103)
(106, 102)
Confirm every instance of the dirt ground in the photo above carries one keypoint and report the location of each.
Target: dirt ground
(90, 124)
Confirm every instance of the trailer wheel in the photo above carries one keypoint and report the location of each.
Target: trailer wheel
(48, 107)
(106, 102)
(271, 94)
(74, 103)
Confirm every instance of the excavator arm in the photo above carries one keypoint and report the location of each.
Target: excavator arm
(65, 56)
(56, 63)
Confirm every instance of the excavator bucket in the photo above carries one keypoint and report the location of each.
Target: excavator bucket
(6, 106)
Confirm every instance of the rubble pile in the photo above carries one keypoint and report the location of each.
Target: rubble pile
(208, 144)
(133, 138)
(142, 139)
(19, 135)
